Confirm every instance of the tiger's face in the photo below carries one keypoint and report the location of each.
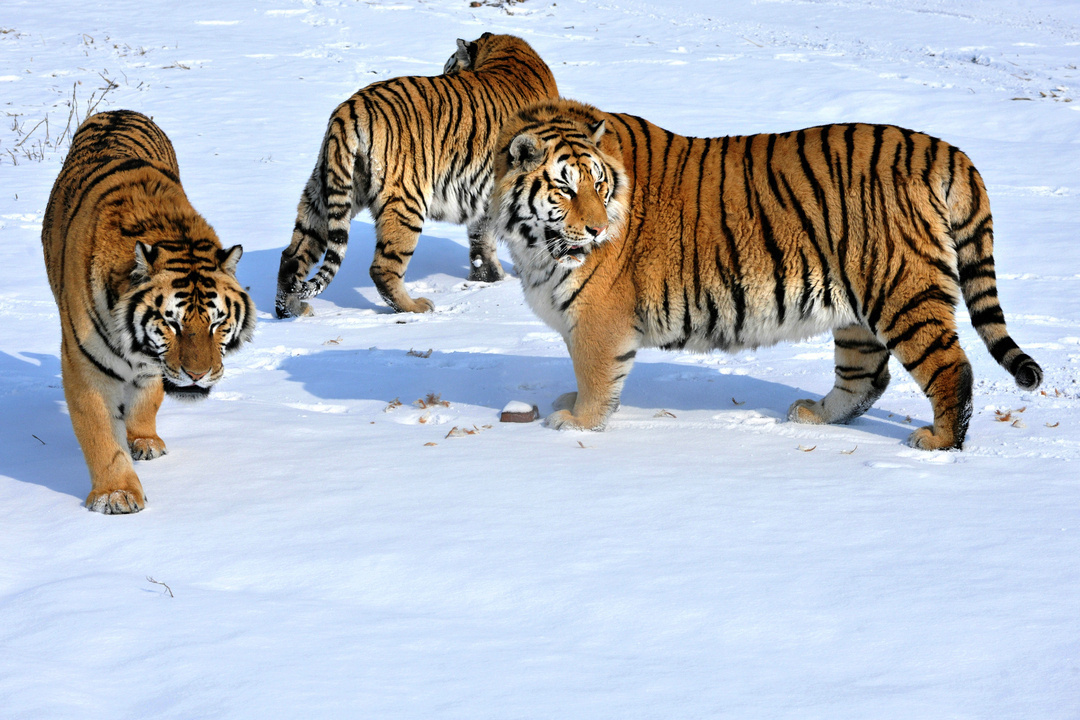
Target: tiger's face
(185, 313)
(559, 193)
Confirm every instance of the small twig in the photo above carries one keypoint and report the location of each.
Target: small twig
(37, 438)
(27, 135)
(157, 582)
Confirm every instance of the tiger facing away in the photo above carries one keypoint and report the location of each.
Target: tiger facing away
(411, 149)
(149, 302)
(626, 235)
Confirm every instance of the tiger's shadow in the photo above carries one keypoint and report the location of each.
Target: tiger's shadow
(491, 380)
(39, 446)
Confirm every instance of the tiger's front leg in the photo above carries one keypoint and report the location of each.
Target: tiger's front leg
(94, 401)
(602, 360)
(141, 420)
(484, 265)
(395, 241)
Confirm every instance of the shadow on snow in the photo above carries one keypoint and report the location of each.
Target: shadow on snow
(491, 380)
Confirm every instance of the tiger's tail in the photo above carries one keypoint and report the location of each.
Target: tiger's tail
(323, 215)
(972, 230)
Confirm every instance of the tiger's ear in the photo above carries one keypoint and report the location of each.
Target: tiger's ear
(525, 153)
(596, 130)
(463, 58)
(145, 255)
(227, 259)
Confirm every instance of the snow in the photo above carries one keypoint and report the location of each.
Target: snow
(332, 548)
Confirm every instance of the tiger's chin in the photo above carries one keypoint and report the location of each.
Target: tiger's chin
(184, 393)
(571, 257)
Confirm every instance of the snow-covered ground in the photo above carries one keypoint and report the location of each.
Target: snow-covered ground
(331, 554)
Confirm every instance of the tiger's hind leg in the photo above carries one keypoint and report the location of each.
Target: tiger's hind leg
(484, 265)
(862, 374)
(927, 345)
(397, 231)
(306, 247)
(140, 420)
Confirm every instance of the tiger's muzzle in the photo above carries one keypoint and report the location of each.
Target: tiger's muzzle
(571, 252)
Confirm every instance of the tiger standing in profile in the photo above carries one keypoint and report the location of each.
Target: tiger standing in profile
(149, 302)
(626, 235)
(411, 149)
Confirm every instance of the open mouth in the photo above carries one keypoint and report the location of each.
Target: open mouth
(564, 253)
(184, 392)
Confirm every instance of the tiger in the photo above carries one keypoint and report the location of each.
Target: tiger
(149, 302)
(626, 235)
(411, 149)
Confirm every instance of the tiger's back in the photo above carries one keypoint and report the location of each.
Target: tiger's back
(871, 231)
(808, 230)
(106, 149)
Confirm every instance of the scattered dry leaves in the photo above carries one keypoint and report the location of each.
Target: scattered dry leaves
(737, 402)
(664, 413)
(1007, 415)
(808, 449)
(1053, 425)
(849, 452)
(463, 431)
(335, 341)
(392, 405)
(417, 353)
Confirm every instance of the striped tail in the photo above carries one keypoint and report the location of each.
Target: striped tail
(973, 237)
(322, 219)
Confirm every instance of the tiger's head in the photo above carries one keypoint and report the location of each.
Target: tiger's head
(560, 186)
(185, 310)
(475, 54)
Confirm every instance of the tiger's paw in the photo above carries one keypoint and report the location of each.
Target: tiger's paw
(925, 439)
(565, 401)
(418, 305)
(291, 306)
(116, 502)
(486, 271)
(147, 448)
(807, 412)
(563, 420)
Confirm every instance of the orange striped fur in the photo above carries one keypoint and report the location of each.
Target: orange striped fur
(411, 149)
(149, 302)
(872, 232)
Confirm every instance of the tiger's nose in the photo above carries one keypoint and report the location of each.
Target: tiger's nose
(594, 231)
(195, 376)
